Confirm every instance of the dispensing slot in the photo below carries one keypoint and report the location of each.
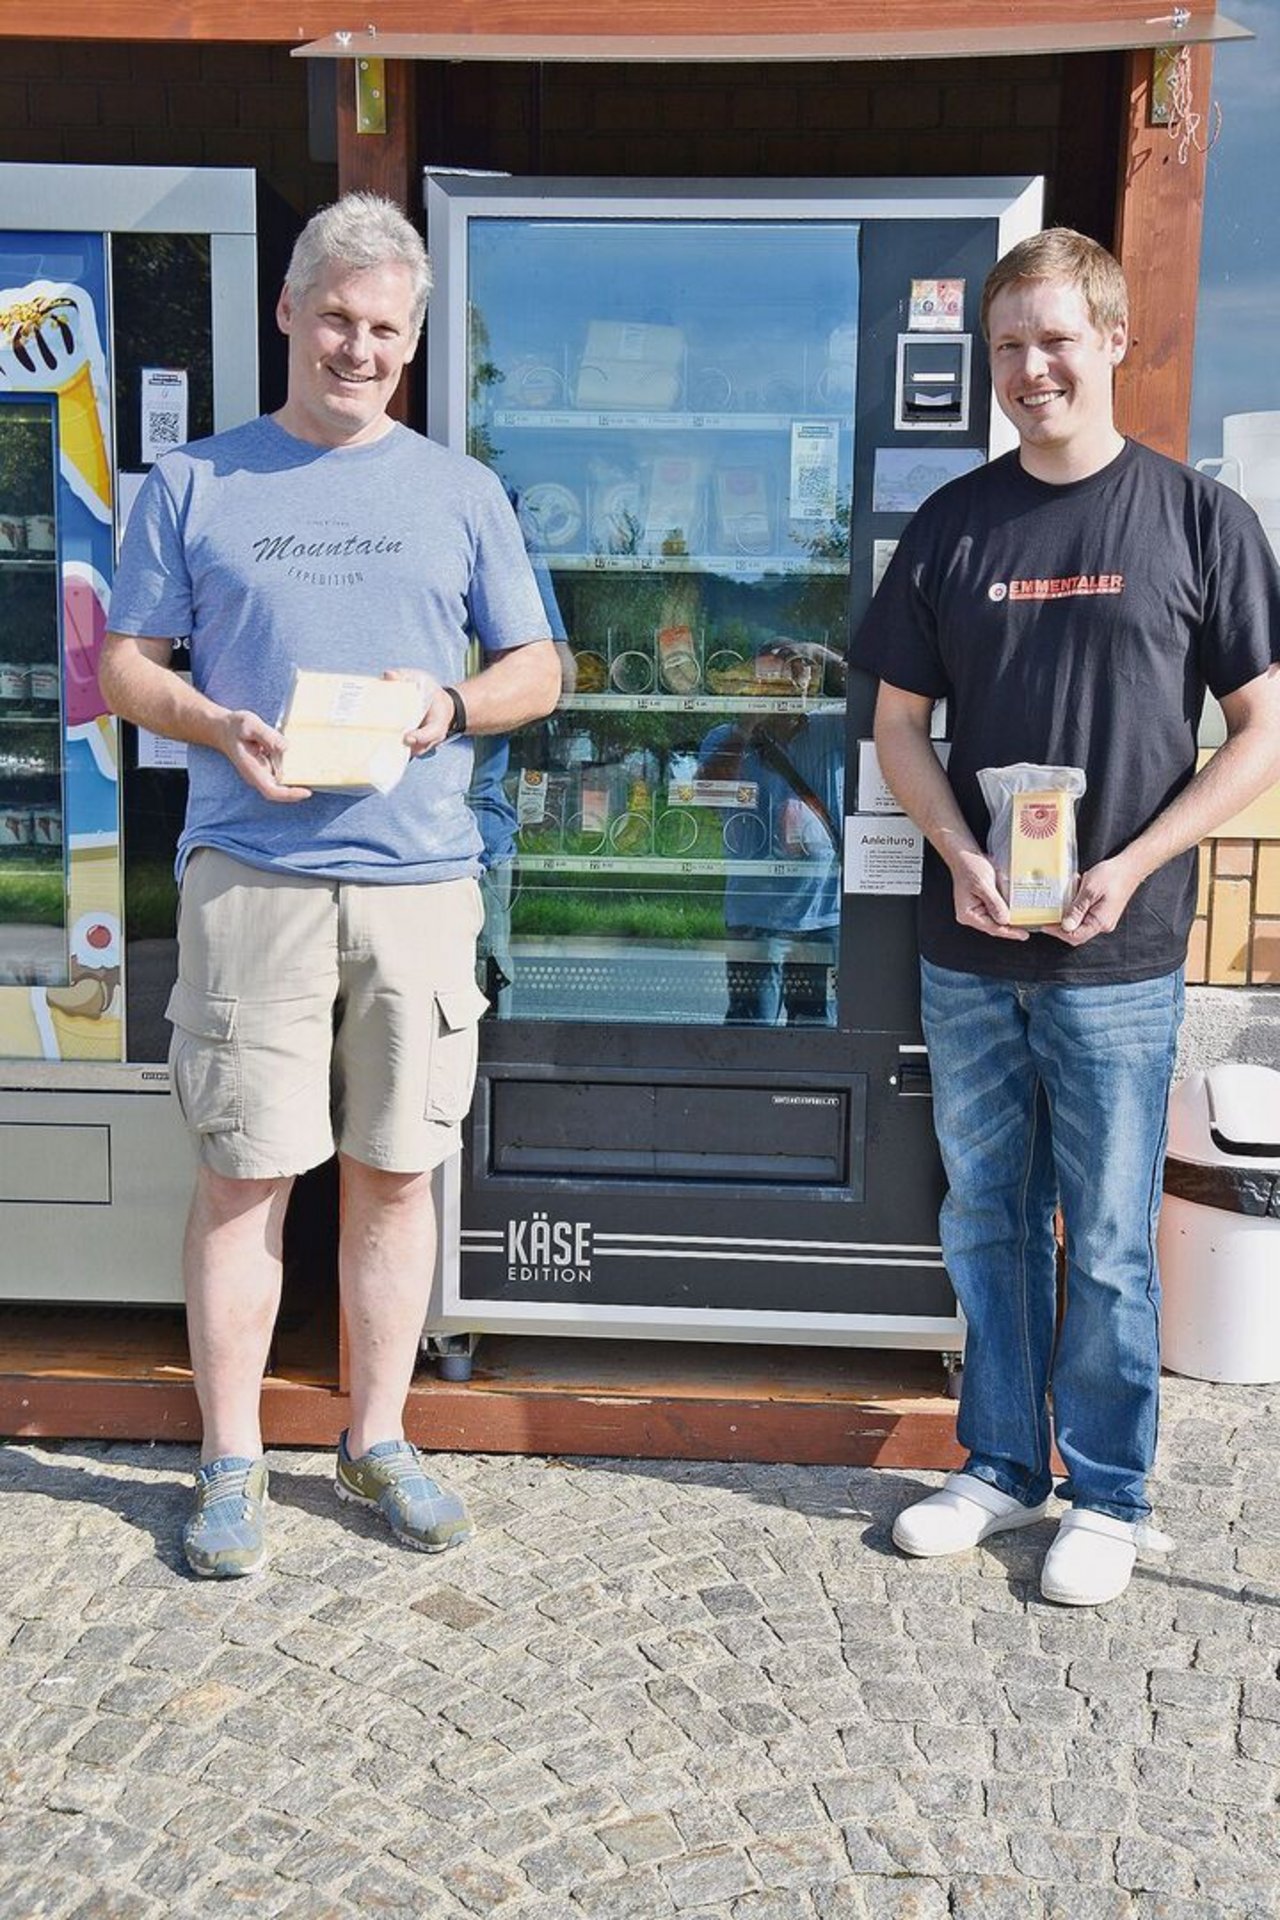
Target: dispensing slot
(932, 393)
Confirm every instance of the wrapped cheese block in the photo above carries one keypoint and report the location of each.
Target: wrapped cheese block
(1040, 857)
(346, 730)
(1032, 841)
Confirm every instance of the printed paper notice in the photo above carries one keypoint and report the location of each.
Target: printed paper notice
(882, 854)
(164, 411)
(158, 752)
(882, 552)
(128, 487)
(815, 453)
(904, 478)
(874, 792)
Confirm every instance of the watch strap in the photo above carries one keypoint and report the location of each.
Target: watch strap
(458, 724)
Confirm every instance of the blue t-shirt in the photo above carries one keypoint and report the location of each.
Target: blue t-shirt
(271, 554)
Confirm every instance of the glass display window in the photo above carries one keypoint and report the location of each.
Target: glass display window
(670, 405)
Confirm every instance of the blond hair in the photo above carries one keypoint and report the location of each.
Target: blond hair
(1060, 253)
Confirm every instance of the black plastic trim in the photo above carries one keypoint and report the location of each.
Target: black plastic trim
(1249, 1190)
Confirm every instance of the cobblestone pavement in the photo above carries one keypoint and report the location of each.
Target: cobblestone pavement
(644, 1690)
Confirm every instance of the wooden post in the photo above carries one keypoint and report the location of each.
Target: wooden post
(385, 163)
(1159, 213)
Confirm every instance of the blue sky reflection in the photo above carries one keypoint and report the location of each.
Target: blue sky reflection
(1237, 361)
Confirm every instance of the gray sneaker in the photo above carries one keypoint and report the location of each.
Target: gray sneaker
(392, 1478)
(225, 1536)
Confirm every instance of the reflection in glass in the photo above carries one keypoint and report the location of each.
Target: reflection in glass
(161, 296)
(782, 924)
(33, 941)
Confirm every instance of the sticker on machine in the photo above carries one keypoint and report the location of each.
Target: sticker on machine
(163, 423)
(904, 478)
(874, 792)
(882, 854)
(937, 306)
(160, 753)
(815, 460)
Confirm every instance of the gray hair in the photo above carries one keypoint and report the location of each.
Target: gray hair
(360, 230)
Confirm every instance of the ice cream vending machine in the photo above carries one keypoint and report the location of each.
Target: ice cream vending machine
(703, 1102)
(128, 323)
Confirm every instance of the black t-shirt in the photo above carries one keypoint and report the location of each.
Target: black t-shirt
(1076, 625)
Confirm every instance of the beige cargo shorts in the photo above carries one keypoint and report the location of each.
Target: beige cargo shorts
(312, 1013)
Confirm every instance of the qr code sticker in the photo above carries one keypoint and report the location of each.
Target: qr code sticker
(164, 429)
(813, 491)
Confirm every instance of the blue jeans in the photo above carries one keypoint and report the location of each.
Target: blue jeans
(1043, 1094)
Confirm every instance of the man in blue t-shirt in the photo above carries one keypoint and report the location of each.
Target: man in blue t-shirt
(326, 993)
(1071, 602)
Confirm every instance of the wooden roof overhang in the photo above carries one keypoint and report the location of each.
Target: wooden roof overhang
(589, 29)
(967, 41)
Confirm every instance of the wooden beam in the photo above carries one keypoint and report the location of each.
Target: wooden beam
(381, 162)
(386, 163)
(293, 24)
(655, 1426)
(653, 1400)
(457, 1419)
(1159, 215)
(76, 1409)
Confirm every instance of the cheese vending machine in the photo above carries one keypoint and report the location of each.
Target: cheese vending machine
(702, 1108)
(128, 322)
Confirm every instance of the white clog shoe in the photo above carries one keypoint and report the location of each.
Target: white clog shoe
(958, 1516)
(1093, 1556)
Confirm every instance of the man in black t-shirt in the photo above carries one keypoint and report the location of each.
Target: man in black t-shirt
(1071, 601)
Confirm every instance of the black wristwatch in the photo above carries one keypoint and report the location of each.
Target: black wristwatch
(458, 724)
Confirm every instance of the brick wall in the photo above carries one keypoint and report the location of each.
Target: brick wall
(1235, 941)
(155, 103)
(913, 118)
(151, 103)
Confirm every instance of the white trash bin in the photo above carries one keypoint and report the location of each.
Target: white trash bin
(1219, 1241)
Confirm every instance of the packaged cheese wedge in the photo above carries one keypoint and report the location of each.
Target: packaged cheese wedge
(1032, 840)
(345, 731)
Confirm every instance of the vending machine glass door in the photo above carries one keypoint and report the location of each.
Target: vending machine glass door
(670, 405)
